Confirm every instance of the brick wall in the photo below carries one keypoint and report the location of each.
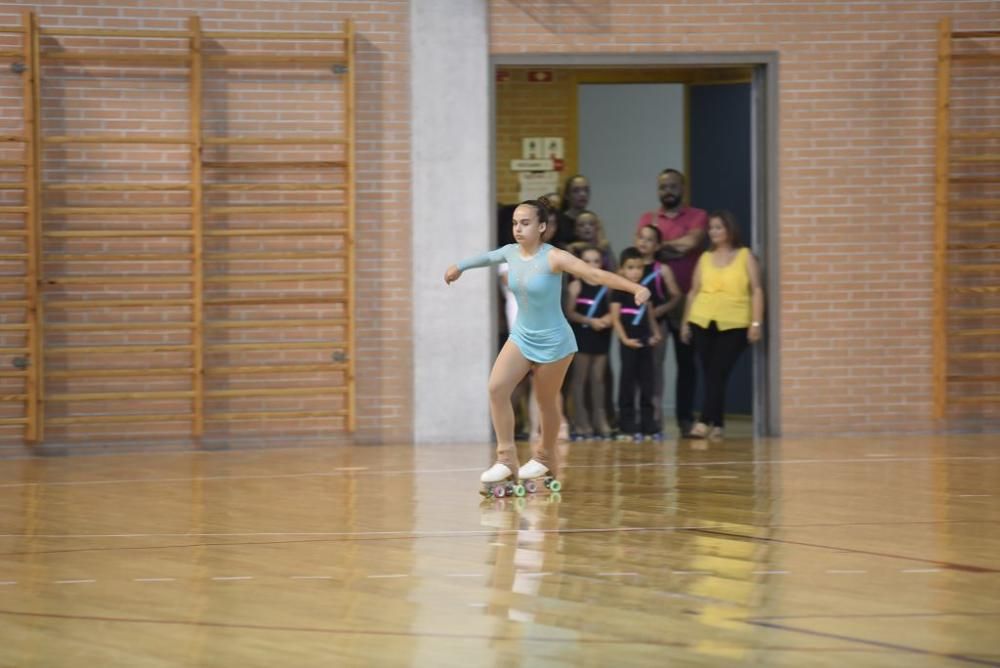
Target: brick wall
(856, 177)
(856, 135)
(105, 99)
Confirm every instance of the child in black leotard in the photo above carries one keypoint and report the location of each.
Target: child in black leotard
(666, 305)
(638, 333)
(588, 313)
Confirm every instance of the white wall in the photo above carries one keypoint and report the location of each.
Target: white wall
(453, 330)
(628, 134)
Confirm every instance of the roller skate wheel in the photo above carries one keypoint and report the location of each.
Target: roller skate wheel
(555, 485)
(530, 486)
(499, 492)
(519, 490)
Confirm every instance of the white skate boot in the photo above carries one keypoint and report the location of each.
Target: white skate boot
(537, 478)
(499, 481)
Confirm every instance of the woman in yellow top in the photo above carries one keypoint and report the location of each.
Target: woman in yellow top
(724, 311)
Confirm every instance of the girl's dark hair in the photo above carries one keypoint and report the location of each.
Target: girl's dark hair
(630, 253)
(542, 208)
(564, 205)
(578, 248)
(728, 222)
(656, 230)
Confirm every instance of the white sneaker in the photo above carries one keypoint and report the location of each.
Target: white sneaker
(533, 469)
(496, 473)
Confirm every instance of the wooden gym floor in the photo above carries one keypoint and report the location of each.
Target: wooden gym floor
(836, 552)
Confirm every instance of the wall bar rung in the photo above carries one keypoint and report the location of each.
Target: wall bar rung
(114, 139)
(117, 326)
(75, 350)
(262, 324)
(108, 396)
(272, 278)
(114, 234)
(276, 369)
(235, 60)
(222, 187)
(267, 301)
(277, 392)
(273, 164)
(151, 256)
(212, 256)
(117, 373)
(114, 210)
(267, 141)
(296, 36)
(116, 303)
(272, 345)
(277, 232)
(71, 187)
(114, 419)
(274, 415)
(113, 32)
(113, 279)
(138, 59)
(277, 208)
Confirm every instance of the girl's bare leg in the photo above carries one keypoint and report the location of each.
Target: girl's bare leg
(578, 384)
(548, 380)
(598, 368)
(508, 370)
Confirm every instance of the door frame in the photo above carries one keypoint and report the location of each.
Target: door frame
(764, 180)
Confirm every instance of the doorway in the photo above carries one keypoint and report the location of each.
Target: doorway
(620, 123)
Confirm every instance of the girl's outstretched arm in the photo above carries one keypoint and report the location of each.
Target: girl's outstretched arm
(562, 261)
(491, 258)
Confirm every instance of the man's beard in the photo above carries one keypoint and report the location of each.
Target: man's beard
(670, 202)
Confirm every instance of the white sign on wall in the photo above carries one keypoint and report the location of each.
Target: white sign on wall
(535, 184)
(532, 148)
(553, 147)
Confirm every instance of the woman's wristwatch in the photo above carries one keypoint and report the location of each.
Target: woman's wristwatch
(755, 324)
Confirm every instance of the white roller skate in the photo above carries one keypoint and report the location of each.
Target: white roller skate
(537, 478)
(499, 482)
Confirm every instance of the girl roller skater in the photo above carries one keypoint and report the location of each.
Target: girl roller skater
(541, 339)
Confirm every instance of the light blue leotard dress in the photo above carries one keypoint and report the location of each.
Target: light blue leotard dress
(540, 331)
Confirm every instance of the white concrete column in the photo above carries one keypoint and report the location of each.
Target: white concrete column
(453, 327)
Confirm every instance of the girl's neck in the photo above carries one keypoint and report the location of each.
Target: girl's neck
(648, 258)
(530, 250)
(724, 247)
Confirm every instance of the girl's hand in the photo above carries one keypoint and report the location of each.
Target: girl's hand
(686, 333)
(598, 324)
(632, 343)
(753, 334)
(654, 340)
(642, 296)
(452, 274)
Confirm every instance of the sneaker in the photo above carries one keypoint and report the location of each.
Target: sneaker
(637, 438)
(699, 430)
(715, 433)
(655, 437)
(623, 437)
